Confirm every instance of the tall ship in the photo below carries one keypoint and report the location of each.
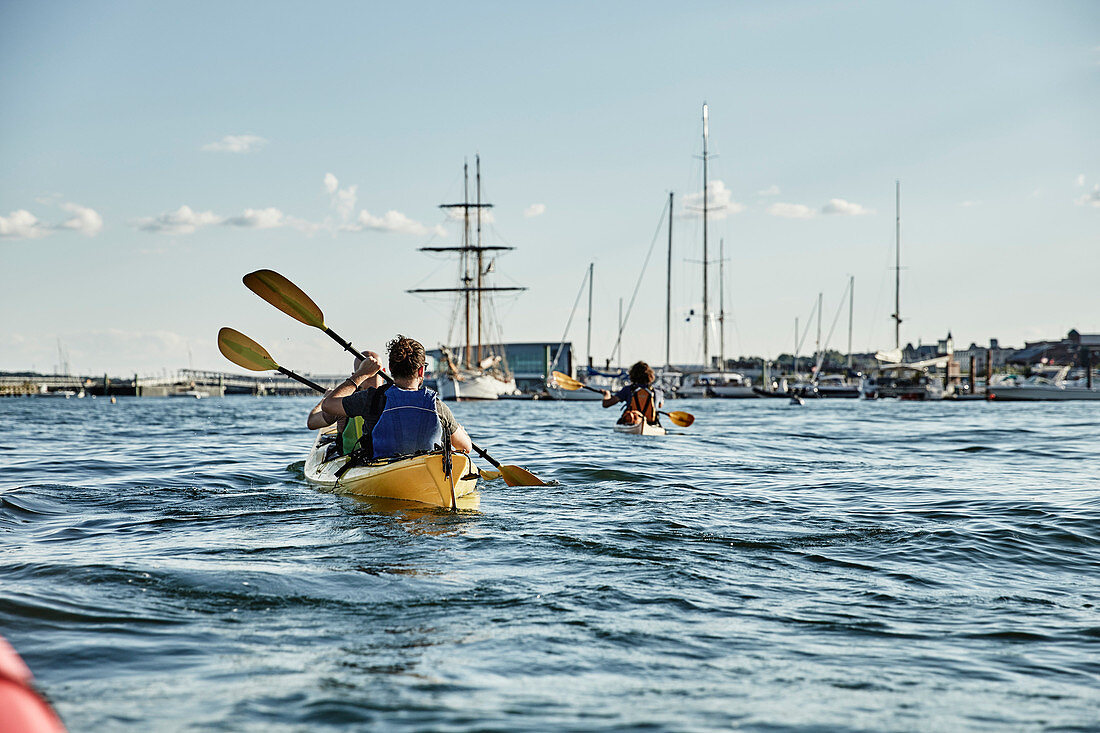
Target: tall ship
(475, 369)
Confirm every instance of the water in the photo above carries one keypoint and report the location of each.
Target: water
(840, 566)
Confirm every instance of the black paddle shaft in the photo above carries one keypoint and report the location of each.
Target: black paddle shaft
(298, 378)
(346, 344)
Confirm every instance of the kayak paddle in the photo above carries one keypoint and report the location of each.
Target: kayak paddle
(244, 352)
(560, 379)
(292, 300)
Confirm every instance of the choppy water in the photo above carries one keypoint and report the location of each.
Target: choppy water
(840, 566)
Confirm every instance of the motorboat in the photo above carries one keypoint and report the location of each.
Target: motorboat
(1039, 387)
(716, 384)
(903, 381)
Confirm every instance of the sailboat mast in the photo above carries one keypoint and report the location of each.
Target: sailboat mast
(480, 269)
(619, 355)
(796, 346)
(897, 266)
(588, 346)
(466, 254)
(851, 310)
(706, 310)
(818, 356)
(722, 304)
(668, 290)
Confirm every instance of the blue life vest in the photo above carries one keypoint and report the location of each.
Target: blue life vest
(408, 424)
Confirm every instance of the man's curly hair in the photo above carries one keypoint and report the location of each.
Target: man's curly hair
(406, 356)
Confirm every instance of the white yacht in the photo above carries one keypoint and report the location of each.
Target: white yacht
(716, 384)
(1039, 387)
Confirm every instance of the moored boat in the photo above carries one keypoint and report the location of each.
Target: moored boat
(1039, 387)
(478, 371)
(419, 478)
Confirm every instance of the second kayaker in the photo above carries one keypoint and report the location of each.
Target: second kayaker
(641, 398)
(399, 419)
(348, 431)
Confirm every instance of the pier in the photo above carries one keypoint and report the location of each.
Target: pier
(182, 383)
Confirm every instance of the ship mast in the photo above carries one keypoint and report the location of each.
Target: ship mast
(588, 345)
(706, 311)
(897, 266)
(668, 291)
(722, 304)
(470, 284)
(851, 310)
(465, 253)
(477, 159)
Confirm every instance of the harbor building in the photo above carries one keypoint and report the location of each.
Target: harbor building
(530, 362)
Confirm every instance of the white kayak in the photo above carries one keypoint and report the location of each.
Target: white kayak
(641, 428)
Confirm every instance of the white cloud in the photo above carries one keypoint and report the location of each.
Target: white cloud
(1080, 179)
(791, 211)
(392, 221)
(343, 199)
(1092, 198)
(22, 224)
(236, 144)
(534, 210)
(84, 220)
(181, 221)
(720, 203)
(269, 218)
(771, 190)
(846, 208)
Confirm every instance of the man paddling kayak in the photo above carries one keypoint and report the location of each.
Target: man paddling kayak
(641, 398)
(348, 430)
(398, 419)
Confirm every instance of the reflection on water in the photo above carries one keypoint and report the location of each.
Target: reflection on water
(843, 565)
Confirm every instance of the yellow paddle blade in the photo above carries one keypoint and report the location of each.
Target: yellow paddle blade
(565, 381)
(489, 475)
(244, 352)
(516, 476)
(286, 296)
(682, 419)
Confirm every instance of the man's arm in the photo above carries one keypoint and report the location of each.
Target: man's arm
(460, 440)
(609, 399)
(318, 418)
(333, 404)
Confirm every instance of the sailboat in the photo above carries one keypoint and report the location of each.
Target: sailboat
(476, 370)
(713, 382)
(592, 377)
(892, 378)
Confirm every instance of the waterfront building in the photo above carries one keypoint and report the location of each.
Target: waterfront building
(529, 362)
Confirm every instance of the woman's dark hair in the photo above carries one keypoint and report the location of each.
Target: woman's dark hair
(406, 357)
(641, 374)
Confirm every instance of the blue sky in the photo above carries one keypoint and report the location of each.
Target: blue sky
(260, 118)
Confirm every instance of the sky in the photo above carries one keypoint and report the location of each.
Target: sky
(152, 154)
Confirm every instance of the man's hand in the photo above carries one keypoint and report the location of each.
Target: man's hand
(370, 365)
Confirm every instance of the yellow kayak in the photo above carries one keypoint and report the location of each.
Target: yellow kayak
(642, 428)
(419, 478)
